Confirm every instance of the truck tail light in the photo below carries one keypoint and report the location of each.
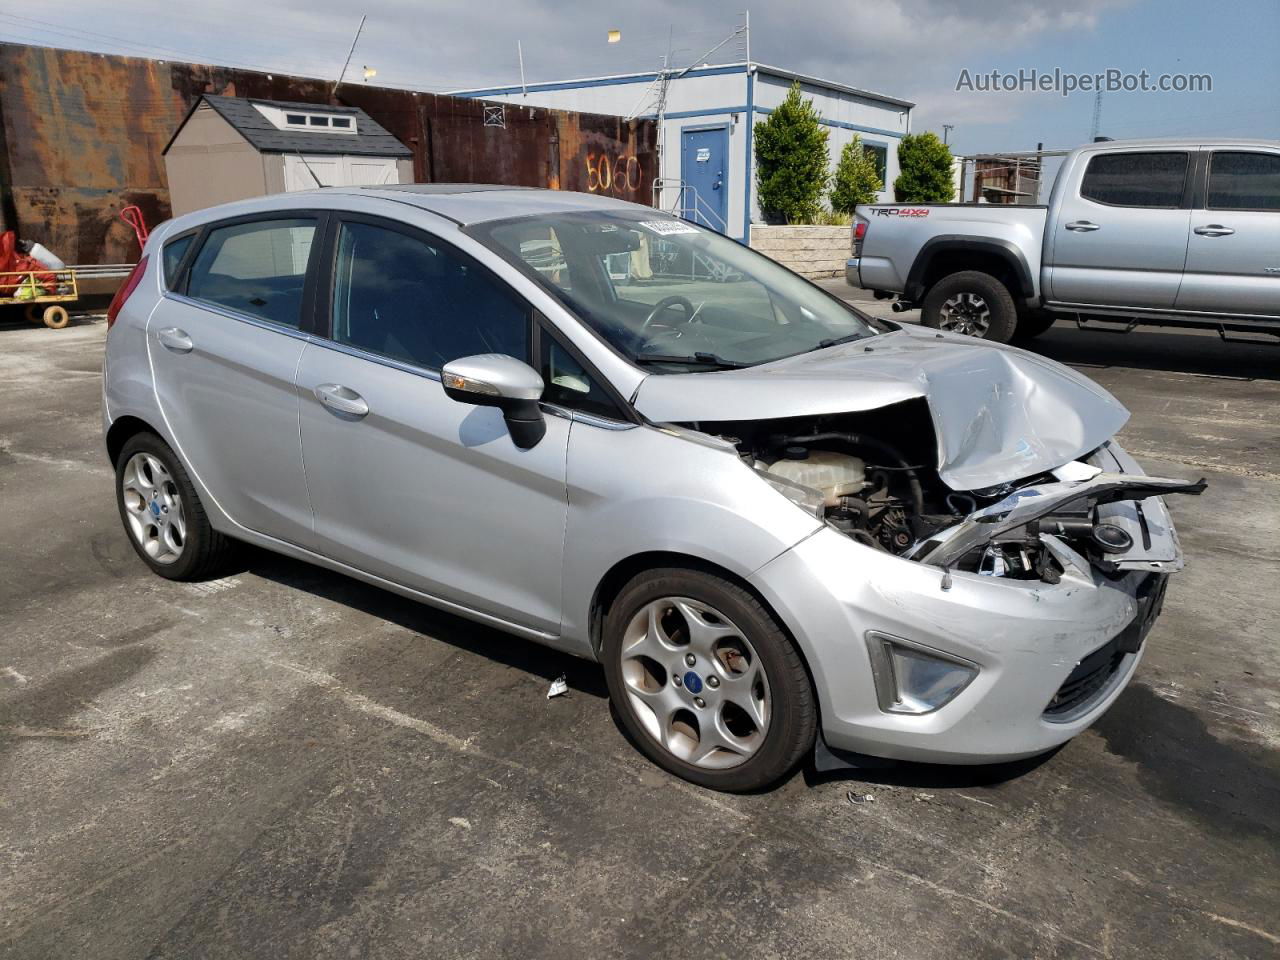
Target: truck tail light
(859, 232)
(130, 284)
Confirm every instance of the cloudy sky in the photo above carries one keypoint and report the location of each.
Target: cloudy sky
(909, 48)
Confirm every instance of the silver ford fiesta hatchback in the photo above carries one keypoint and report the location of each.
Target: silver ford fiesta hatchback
(781, 526)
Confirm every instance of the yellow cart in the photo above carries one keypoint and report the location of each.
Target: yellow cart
(30, 289)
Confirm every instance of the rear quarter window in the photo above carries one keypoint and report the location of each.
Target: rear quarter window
(1136, 179)
(174, 251)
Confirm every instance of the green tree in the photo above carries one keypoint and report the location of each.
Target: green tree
(856, 179)
(925, 165)
(791, 161)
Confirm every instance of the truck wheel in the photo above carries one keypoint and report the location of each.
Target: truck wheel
(1032, 323)
(56, 317)
(973, 303)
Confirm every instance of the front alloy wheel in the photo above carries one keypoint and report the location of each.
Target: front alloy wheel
(705, 681)
(695, 682)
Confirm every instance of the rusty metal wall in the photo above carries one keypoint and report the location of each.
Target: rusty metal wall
(81, 136)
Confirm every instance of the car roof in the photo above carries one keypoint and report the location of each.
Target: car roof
(468, 203)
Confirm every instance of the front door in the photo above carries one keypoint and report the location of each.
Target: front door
(406, 483)
(1233, 257)
(223, 351)
(1120, 239)
(704, 168)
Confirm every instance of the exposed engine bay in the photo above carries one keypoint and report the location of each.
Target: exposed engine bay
(883, 490)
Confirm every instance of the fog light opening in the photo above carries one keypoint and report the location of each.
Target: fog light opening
(913, 678)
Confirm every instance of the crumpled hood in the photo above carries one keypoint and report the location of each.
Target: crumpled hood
(1000, 414)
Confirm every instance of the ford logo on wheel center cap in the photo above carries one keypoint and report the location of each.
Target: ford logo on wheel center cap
(692, 682)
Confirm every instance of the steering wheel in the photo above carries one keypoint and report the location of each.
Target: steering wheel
(666, 303)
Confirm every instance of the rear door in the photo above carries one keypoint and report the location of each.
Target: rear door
(1120, 238)
(1233, 259)
(406, 483)
(224, 346)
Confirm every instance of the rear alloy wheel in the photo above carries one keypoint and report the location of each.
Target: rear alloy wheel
(973, 303)
(162, 513)
(706, 682)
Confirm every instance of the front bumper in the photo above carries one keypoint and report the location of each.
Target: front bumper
(1026, 637)
(853, 272)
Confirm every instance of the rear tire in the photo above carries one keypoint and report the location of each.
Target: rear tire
(1032, 323)
(973, 303)
(55, 317)
(724, 701)
(162, 513)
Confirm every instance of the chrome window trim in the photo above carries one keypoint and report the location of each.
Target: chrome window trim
(232, 314)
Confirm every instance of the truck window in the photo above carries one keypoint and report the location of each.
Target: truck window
(1244, 181)
(1136, 179)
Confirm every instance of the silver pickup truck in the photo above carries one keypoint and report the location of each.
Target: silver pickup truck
(1177, 232)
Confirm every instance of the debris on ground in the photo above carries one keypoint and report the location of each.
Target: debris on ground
(860, 797)
(924, 797)
(560, 685)
(462, 822)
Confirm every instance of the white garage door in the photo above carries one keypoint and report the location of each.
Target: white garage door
(338, 172)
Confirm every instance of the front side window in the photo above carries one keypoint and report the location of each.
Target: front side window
(396, 295)
(1244, 181)
(256, 268)
(1136, 179)
(670, 295)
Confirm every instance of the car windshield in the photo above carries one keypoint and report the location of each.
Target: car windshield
(671, 296)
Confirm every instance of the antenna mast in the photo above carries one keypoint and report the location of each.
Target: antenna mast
(354, 40)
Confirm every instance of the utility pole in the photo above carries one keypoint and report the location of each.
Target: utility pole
(354, 41)
(1097, 116)
(946, 131)
(524, 89)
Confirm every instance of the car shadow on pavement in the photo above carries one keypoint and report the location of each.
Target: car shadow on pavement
(1199, 353)
(934, 776)
(528, 656)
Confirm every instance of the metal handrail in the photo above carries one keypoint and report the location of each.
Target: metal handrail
(697, 212)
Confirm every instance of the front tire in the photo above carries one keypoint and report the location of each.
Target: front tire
(162, 513)
(706, 682)
(973, 303)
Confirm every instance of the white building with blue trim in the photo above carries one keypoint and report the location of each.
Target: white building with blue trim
(707, 158)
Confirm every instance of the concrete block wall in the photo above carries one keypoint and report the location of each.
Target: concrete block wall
(812, 252)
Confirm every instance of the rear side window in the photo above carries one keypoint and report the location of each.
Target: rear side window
(400, 296)
(174, 251)
(255, 268)
(1136, 179)
(1244, 181)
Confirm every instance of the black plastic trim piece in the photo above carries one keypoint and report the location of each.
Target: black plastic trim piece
(945, 243)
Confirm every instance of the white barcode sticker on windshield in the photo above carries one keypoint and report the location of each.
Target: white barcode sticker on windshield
(667, 227)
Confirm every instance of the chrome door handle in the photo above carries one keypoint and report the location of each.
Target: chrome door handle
(342, 400)
(172, 338)
(1082, 226)
(1213, 230)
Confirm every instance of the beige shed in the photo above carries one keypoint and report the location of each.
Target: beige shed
(232, 148)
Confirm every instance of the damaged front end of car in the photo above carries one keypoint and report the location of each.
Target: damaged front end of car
(1100, 511)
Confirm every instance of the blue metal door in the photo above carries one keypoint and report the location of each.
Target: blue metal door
(704, 168)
